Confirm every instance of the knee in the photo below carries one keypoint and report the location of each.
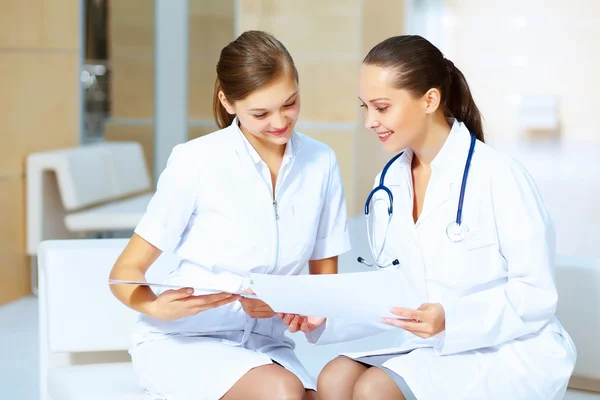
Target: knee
(364, 389)
(288, 387)
(331, 375)
(334, 375)
(376, 386)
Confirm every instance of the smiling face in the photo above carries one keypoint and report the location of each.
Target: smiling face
(397, 117)
(268, 114)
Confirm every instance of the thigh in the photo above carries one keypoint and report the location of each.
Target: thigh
(376, 384)
(268, 382)
(192, 368)
(337, 379)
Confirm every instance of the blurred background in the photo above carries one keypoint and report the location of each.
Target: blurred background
(80, 73)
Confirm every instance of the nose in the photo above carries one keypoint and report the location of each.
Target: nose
(278, 122)
(370, 122)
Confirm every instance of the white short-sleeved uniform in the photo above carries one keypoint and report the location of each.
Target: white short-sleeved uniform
(214, 206)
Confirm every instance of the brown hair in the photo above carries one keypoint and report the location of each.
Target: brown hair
(421, 66)
(252, 61)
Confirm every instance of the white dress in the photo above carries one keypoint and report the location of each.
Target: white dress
(214, 207)
(502, 339)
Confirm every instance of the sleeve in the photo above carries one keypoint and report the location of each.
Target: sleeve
(336, 331)
(527, 302)
(172, 204)
(332, 235)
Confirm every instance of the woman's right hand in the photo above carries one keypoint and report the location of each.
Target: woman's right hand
(175, 304)
(297, 323)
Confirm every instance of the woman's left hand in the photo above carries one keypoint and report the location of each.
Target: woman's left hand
(426, 321)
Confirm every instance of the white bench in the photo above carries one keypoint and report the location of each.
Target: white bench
(84, 330)
(73, 192)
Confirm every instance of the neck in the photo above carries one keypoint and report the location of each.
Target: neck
(266, 150)
(431, 143)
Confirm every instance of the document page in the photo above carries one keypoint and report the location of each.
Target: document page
(361, 296)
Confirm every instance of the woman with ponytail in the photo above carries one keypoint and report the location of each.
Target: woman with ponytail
(254, 196)
(487, 328)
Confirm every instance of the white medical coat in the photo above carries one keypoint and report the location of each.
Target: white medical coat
(214, 207)
(502, 340)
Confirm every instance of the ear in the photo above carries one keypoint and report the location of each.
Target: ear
(432, 99)
(228, 107)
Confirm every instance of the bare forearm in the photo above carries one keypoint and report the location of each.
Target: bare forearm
(138, 298)
(132, 265)
(324, 266)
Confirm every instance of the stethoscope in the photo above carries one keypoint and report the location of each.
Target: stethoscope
(456, 230)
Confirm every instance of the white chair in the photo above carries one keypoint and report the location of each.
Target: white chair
(84, 330)
(578, 283)
(73, 192)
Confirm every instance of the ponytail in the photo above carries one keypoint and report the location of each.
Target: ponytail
(421, 66)
(222, 118)
(459, 102)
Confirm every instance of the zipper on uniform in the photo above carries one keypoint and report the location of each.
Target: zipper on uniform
(275, 209)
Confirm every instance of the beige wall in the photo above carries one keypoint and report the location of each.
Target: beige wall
(39, 110)
(131, 56)
(512, 48)
(328, 41)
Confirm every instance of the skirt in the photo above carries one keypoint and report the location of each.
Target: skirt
(378, 361)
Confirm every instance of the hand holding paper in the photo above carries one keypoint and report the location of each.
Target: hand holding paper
(175, 304)
(297, 323)
(362, 296)
(196, 290)
(254, 307)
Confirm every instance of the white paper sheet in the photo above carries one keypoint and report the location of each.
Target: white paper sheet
(197, 291)
(361, 296)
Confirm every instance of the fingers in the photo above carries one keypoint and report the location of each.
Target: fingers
(173, 294)
(416, 315)
(287, 318)
(207, 299)
(422, 329)
(219, 303)
(295, 323)
(307, 326)
(311, 323)
(256, 308)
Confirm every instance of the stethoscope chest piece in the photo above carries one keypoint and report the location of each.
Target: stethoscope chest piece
(456, 233)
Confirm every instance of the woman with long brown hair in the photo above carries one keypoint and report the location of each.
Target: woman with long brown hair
(254, 196)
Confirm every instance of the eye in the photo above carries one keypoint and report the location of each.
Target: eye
(381, 109)
(293, 103)
(260, 116)
(362, 106)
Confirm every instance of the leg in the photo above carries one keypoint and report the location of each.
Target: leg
(310, 395)
(376, 384)
(337, 380)
(268, 382)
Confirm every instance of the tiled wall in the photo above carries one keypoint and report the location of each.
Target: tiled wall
(131, 53)
(39, 110)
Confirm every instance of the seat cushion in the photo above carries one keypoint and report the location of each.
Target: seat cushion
(114, 381)
(117, 215)
(573, 394)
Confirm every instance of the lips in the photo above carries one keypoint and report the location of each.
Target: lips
(279, 132)
(383, 136)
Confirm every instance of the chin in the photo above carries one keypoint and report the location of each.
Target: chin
(394, 146)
